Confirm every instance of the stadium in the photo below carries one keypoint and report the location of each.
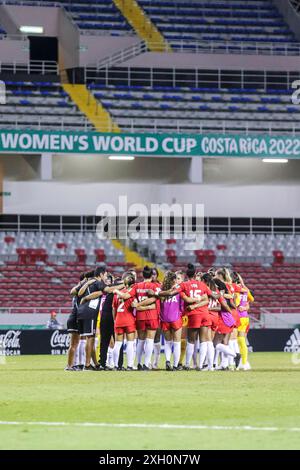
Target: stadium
(149, 225)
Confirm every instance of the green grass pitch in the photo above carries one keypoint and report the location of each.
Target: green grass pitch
(36, 389)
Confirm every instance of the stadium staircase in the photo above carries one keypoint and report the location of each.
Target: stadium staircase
(92, 108)
(134, 258)
(142, 24)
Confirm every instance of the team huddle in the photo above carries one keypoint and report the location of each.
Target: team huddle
(202, 317)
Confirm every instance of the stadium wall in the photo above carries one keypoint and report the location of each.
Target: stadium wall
(95, 48)
(214, 61)
(290, 16)
(14, 50)
(12, 17)
(219, 200)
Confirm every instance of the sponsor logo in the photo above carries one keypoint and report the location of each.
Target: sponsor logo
(60, 340)
(293, 344)
(10, 343)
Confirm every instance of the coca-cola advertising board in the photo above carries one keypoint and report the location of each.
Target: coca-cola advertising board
(17, 342)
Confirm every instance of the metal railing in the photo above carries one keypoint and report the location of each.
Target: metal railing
(219, 79)
(279, 317)
(201, 47)
(296, 5)
(42, 67)
(13, 37)
(34, 310)
(88, 223)
(156, 126)
(122, 55)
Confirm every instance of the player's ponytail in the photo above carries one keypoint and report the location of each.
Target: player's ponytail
(190, 272)
(169, 280)
(147, 272)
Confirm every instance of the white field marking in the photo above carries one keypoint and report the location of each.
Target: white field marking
(151, 426)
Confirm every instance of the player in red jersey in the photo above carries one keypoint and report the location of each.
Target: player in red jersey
(125, 326)
(157, 339)
(147, 319)
(199, 321)
(227, 321)
(180, 276)
(235, 290)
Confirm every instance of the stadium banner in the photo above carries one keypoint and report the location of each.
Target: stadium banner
(57, 342)
(143, 145)
(20, 342)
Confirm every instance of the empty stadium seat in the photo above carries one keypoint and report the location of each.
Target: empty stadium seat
(195, 110)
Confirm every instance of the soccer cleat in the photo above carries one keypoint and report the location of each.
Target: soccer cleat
(89, 368)
(69, 369)
(179, 367)
(139, 367)
(237, 360)
(129, 369)
(122, 369)
(245, 366)
(186, 368)
(145, 368)
(168, 366)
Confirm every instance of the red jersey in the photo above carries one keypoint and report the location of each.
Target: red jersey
(139, 291)
(213, 303)
(124, 311)
(195, 289)
(157, 290)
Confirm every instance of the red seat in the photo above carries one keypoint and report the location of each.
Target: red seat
(171, 256)
(100, 255)
(222, 247)
(61, 246)
(81, 255)
(22, 256)
(278, 257)
(9, 239)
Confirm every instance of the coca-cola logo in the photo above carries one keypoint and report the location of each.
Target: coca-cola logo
(10, 340)
(60, 340)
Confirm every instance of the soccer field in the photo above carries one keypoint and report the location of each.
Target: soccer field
(43, 407)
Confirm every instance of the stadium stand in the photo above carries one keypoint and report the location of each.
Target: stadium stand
(191, 109)
(47, 264)
(219, 20)
(35, 104)
(99, 16)
(254, 21)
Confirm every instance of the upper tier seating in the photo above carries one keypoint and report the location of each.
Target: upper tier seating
(253, 21)
(186, 109)
(95, 16)
(219, 20)
(39, 104)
